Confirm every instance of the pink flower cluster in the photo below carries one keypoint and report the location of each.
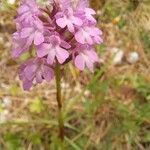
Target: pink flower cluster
(62, 31)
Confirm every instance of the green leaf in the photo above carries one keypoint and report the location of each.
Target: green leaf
(36, 106)
(73, 144)
(12, 141)
(147, 137)
(35, 138)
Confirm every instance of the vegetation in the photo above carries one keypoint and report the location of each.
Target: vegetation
(106, 110)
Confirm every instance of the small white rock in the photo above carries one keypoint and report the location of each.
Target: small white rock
(133, 57)
(117, 54)
(6, 102)
(118, 58)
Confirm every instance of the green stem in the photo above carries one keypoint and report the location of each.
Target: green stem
(59, 101)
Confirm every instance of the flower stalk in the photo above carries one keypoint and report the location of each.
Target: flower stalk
(59, 101)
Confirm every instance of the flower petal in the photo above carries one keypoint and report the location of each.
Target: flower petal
(25, 32)
(65, 45)
(70, 26)
(47, 73)
(79, 62)
(61, 55)
(61, 22)
(90, 65)
(27, 85)
(77, 21)
(38, 38)
(79, 37)
(38, 77)
(43, 50)
(51, 56)
(30, 71)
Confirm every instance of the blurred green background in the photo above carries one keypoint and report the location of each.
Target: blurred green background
(107, 110)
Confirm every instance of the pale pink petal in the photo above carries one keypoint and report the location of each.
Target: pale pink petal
(94, 31)
(89, 40)
(77, 21)
(92, 55)
(38, 38)
(61, 22)
(91, 18)
(30, 72)
(16, 52)
(47, 73)
(38, 77)
(70, 27)
(79, 37)
(25, 32)
(27, 85)
(22, 9)
(82, 4)
(43, 50)
(65, 45)
(61, 55)
(90, 65)
(98, 40)
(79, 62)
(51, 56)
(90, 11)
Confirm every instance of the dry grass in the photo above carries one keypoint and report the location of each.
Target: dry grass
(108, 110)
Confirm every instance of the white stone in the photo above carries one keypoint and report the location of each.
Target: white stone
(118, 58)
(133, 57)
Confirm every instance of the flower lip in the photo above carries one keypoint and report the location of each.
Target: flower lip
(69, 19)
(55, 40)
